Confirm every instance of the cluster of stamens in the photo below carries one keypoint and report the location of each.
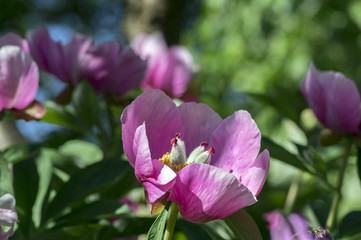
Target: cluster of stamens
(177, 159)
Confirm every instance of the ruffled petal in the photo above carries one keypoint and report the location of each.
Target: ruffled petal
(162, 121)
(14, 40)
(156, 177)
(236, 142)
(255, 177)
(204, 193)
(19, 78)
(199, 121)
(334, 99)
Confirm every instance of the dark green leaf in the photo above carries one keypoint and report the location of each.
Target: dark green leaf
(157, 229)
(20, 152)
(350, 225)
(278, 152)
(6, 185)
(359, 162)
(210, 230)
(85, 103)
(26, 186)
(58, 115)
(84, 182)
(88, 212)
(243, 226)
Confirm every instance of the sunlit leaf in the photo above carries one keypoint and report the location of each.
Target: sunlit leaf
(157, 229)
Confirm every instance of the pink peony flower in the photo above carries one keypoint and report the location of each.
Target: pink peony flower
(19, 78)
(108, 67)
(8, 216)
(167, 146)
(334, 99)
(169, 69)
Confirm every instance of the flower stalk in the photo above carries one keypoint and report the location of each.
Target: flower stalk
(337, 197)
(171, 222)
(292, 193)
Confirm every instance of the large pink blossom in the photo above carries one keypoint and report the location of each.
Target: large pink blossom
(108, 67)
(169, 69)
(334, 99)
(189, 155)
(19, 75)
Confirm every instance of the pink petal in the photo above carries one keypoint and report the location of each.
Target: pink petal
(76, 60)
(14, 40)
(255, 177)
(47, 53)
(156, 177)
(19, 78)
(181, 64)
(129, 72)
(334, 99)
(204, 193)
(236, 142)
(278, 226)
(148, 46)
(98, 64)
(7, 217)
(300, 226)
(161, 118)
(199, 121)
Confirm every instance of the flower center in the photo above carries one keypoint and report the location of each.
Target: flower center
(175, 167)
(177, 159)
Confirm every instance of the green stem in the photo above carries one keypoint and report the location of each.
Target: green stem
(292, 193)
(337, 197)
(171, 222)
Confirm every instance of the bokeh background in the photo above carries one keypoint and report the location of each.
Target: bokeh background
(251, 55)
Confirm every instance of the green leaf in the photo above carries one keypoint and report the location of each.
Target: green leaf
(84, 152)
(58, 115)
(85, 103)
(6, 185)
(84, 182)
(88, 212)
(359, 162)
(214, 230)
(44, 168)
(280, 153)
(243, 226)
(157, 229)
(18, 152)
(26, 186)
(350, 225)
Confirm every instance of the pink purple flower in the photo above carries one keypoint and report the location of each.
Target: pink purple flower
(190, 156)
(169, 69)
(334, 99)
(294, 227)
(19, 75)
(8, 216)
(108, 67)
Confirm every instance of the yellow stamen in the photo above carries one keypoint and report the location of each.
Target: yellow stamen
(166, 160)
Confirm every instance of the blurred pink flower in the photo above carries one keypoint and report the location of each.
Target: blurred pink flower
(8, 216)
(108, 67)
(169, 69)
(292, 228)
(334, 99)
(19, 75)
(212, 182)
